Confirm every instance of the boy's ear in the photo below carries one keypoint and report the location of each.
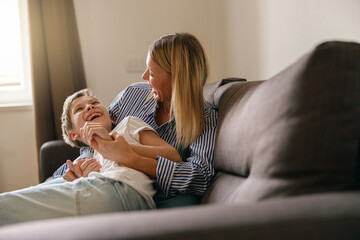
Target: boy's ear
(73, 136)
(112, 120)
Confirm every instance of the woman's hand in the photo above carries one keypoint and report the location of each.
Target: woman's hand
(81, 168)
(116, 149)
(119, 151)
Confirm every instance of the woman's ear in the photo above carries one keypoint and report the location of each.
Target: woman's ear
(74, 136)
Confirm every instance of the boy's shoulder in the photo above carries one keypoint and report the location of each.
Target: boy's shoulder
(139, 85)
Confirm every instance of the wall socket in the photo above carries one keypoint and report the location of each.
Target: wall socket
(135, 65)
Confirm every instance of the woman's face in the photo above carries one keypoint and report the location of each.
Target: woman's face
(159, 80)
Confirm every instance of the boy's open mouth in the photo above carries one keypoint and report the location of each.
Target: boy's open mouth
(93, 116)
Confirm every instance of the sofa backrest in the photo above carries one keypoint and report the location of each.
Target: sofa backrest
(296, 133)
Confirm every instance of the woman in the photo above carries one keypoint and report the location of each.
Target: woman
(172, 103)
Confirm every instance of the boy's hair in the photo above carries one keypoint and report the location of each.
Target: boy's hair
(66, 124)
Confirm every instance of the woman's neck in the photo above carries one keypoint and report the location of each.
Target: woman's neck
(162, 113)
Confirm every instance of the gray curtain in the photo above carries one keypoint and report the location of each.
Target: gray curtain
(57, 68)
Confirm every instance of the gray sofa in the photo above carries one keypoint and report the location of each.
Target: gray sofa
(287, 157)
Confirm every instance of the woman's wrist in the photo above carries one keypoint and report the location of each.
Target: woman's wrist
(145, 165)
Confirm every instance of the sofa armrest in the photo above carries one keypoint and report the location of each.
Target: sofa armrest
(319, 216)
(52, 155)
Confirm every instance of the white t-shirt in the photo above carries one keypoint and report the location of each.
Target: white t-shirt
(129, 128)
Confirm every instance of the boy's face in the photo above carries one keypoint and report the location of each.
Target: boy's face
(87, 109)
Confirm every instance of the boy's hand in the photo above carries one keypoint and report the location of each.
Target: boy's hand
(93, 128)
(81, 168)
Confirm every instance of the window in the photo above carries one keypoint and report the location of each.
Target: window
(15, 84)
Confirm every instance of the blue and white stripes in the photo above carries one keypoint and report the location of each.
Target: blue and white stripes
(195, 172)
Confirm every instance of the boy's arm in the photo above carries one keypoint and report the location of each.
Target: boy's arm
(152, 146)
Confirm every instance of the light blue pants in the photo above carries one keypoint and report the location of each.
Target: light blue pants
(57, 198)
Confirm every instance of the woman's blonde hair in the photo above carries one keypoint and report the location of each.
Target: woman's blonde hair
(183, 57)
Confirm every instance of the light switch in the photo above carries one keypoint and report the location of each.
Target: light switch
(135, 65)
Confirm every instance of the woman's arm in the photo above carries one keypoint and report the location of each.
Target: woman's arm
(153, 146)
(195, 173)
(118, 150)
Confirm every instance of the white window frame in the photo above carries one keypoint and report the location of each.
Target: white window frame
(20, 95)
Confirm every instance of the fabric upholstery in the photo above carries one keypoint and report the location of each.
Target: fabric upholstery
(298, 218)
(213, 91)
(52, 155)
(295, 133)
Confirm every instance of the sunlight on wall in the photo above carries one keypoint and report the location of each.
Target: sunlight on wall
(15, 87)
(10, 44)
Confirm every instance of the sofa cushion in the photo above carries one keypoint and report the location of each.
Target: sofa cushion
(213, 91)
(297, 132)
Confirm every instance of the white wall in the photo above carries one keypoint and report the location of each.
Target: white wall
(18, 157)
(254, 39)
(265, 36)
(289, 28)
(113, 31)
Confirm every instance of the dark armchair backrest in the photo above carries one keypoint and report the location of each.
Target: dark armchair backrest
(52, 155)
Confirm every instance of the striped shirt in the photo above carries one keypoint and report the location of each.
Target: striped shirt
(194, 173)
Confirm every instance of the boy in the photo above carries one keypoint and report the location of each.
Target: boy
(108, 187)
(83, 117)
